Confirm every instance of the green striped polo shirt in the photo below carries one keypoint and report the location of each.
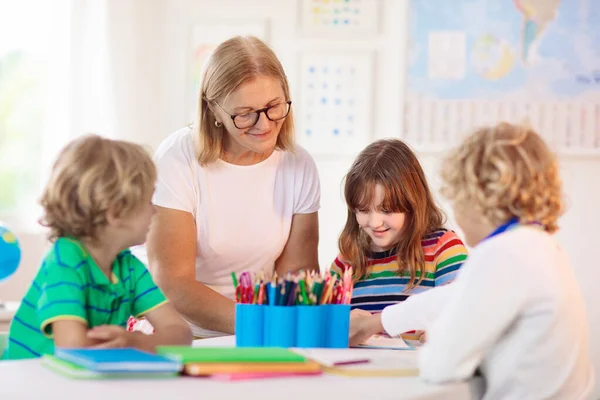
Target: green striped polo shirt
(70, 285)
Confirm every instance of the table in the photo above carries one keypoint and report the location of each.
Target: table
(28, 379)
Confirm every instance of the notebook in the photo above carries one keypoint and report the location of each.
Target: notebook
(187, 354)
(118, 360)
(75, 371)
(205, 369)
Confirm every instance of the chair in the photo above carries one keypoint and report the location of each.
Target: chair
(3, 341)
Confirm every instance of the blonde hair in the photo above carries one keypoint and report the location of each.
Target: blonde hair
(505, 172)
(391, 164)
(90, 175)
(234, 62)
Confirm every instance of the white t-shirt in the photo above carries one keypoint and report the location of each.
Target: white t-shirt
(516, 311)
(243, 214)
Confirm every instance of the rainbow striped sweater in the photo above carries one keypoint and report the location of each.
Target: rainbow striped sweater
(383, 285)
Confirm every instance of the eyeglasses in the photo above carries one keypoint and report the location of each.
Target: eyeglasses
(275, 112)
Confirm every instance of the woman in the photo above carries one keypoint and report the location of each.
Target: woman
(234, 192)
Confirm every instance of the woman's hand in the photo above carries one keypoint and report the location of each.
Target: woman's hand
(363, 325)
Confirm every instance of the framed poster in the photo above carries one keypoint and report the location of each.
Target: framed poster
(334, 110)
(339, 17)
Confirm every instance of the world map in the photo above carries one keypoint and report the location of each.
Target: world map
(504, 49)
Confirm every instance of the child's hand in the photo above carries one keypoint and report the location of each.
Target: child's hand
(363, 325)
(110, 336)
(357, 312)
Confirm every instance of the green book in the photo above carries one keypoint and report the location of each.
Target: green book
(186, 354)
(75, 371)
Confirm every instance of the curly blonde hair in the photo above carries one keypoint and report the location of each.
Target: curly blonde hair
(91, 175)
(234, 62)
(505, 171)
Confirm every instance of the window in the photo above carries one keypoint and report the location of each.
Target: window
(34, 96)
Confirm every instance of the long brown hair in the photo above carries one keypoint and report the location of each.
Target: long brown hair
(236, 61)
(391, 164)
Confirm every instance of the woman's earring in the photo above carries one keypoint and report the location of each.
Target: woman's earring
(218, 124)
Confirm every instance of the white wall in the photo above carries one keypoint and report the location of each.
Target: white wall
(288, 44)
(149, 65)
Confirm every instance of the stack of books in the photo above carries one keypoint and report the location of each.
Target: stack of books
(110, 364)
(237, 363)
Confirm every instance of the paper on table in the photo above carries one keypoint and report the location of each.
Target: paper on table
(381, 363)
(223, 341)
(334, 357)
(385, 342)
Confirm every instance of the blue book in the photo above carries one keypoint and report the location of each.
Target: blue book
(75, 371)
(118, 360)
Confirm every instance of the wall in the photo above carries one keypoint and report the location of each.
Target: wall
(288, 46)
(150, 42)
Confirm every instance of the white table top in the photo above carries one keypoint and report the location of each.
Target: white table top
(29, 379)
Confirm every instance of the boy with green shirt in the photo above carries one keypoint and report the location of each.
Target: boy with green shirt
(97, 204)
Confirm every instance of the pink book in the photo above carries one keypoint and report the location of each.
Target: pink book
(261, 375)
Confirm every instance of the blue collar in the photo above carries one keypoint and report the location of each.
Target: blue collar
(512, 223)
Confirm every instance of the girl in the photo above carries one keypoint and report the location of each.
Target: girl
(97, 204)
(516, 311)
(394, 237)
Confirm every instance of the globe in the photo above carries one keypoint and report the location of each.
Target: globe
(10, 253)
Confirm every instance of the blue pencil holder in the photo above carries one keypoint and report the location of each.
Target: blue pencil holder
(249, 322)
(337, 317)
(310, 329)
(280, 326)
(292, 326)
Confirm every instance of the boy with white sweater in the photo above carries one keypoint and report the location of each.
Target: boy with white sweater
(515, 311)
